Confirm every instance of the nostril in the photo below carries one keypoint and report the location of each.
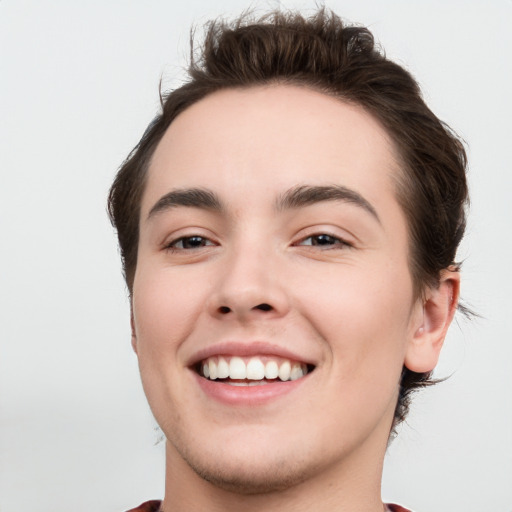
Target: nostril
(264, 307)
(224, 310)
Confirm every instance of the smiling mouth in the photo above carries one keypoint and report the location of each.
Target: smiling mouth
(251, 371)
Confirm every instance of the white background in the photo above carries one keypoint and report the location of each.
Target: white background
(78, 85)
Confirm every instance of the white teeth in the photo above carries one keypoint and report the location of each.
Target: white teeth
(222, 368)
(285, 371)
(255, 370)
(248, 383)
(296, 372)
(212, 367)
(271, 370)
(237, 368)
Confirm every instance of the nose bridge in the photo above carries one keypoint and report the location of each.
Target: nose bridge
(248, 282)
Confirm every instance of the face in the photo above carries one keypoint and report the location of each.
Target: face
(272, 301)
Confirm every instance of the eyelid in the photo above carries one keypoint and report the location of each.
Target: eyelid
(188, 233)
(338, 242)
(172, 243)
(345, 239)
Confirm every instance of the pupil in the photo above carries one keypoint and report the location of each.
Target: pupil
(193, 241)
(323, 240)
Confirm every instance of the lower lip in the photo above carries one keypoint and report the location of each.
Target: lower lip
(247, 395)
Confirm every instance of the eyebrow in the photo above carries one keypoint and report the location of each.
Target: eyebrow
(305, 195)
(189, 197)
(296, 197)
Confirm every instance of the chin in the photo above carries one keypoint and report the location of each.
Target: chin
(251, 480)
(252, 475)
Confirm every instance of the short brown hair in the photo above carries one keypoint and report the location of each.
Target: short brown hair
(325, 54)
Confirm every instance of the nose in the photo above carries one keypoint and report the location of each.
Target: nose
(249, 286)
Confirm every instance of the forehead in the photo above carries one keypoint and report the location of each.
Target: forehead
(267, 139)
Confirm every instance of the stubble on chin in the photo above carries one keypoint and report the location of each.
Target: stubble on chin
(250, 477)
(250, 482)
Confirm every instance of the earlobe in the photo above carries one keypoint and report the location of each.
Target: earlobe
(439, 308)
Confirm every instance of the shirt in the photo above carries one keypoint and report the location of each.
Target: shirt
(154, 506)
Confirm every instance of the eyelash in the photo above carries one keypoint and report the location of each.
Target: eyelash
(172, 246)
(332, 242)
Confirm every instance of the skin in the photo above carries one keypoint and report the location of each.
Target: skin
(346, 305)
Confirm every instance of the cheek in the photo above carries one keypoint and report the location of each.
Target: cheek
(165, 308)
(364, 316)
(361, 318)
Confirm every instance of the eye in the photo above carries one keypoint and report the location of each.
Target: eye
(324, 240)
(189, 242)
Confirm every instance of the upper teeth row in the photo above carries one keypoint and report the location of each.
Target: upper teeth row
(254, 369)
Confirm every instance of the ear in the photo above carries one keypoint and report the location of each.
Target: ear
(132, 326)
(439, 307)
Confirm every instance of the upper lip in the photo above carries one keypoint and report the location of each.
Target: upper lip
(247, 349)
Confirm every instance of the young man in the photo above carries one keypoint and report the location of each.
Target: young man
(288, 228)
